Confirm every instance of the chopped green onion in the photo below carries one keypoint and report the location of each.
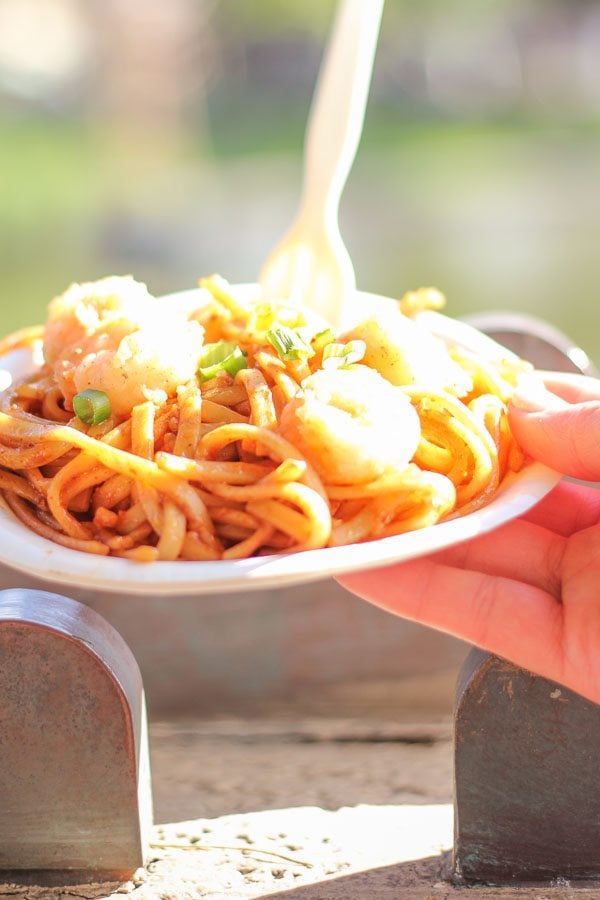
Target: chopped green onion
(266, 315)
(261, 318)
(222, 292)
(224, 356)
(91, 406)
(335, 356)
(288, 343)
(290, 316)
(323, 338)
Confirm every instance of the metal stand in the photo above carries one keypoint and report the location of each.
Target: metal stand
(527, 789)
(75, 799)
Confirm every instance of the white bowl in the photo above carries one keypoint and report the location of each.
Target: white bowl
(22, 550)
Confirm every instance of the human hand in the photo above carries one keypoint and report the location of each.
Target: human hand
(529, 591)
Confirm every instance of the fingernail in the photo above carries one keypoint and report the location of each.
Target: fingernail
(532, 395)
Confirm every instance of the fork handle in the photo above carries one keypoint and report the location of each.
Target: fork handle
(338, 107)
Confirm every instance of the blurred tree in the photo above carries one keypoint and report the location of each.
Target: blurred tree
(153, 62)
(271, 17)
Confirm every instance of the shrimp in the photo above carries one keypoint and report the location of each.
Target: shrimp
(404, 352)
(351, 424)
(83, 308)
(113, 336)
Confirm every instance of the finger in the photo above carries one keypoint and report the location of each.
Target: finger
(519, 550)
(517, 621)
(567, 508)
(571, 387)
(562, 435)
(539, 390)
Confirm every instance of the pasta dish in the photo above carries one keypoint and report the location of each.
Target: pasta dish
(231, 426)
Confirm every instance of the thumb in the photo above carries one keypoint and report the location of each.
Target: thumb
(561, 433)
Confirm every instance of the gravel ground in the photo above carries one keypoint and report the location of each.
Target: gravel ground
(314, 810)
(222, 768)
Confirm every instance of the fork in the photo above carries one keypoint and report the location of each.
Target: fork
(311, 265)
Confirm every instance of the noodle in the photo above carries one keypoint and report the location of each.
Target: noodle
(210, 468)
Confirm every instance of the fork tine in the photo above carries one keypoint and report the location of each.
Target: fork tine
(312, 262)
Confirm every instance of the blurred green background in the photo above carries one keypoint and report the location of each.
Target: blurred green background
(164, 139)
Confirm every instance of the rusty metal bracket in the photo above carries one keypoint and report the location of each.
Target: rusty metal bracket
(527, 796)
(75, 796)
